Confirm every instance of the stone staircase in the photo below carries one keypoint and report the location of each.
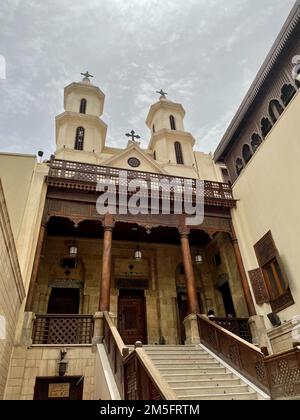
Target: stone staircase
(194, 374)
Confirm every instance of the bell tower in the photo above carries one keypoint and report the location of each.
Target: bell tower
(171, 145)
(80, 132)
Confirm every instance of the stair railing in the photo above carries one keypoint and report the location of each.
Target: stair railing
(142, 379)
(115, 349)
(238, 353)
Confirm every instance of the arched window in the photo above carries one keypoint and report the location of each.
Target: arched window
(287, 94)
(247, 154)
(79, 138)
(178, 152)
(83, 106)
(153, 128)
(154, 155)
(239, 165)
(256, 141)
(172, 122)
(275, 110)
(266, 127)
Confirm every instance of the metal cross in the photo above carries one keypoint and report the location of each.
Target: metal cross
(86, 75)
(162, 93)
(133, 135)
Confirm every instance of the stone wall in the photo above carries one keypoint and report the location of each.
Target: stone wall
(28, 364)
(11, 291)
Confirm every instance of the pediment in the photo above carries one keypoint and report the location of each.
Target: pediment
(121, 160)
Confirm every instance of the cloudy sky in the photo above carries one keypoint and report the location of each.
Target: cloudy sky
(204, 53)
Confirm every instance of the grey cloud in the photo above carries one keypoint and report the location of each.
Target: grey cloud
(204, 53)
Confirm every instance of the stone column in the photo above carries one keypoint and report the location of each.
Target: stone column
(242, 271)
(35, 268)
(191, 287)
(104, 302)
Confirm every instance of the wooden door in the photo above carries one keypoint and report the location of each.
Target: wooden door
(64, 302)
(59, 388)
(132, 317)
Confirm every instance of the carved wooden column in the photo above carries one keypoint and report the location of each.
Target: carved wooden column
(191, 287)
(104, 302)
(242, 271)
(35, 268)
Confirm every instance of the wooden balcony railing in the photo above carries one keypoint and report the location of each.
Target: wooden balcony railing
(115, 349)
(67, 174)
(238, 353)
(142, 380)
(238, 326)
(62, 329)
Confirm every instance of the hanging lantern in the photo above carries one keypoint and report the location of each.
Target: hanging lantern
(138, 254)
(198, 258)
(73, 250)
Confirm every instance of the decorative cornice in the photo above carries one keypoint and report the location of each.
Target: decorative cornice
(262, 76)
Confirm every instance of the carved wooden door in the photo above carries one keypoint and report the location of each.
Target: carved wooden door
(131, 317)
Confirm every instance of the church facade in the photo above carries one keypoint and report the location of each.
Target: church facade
(87, 286)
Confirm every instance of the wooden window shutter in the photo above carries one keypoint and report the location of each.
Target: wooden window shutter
(266, 251)
(259, 286)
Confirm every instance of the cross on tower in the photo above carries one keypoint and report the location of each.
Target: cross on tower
(133, 135)
(162, 93)
(86, 75)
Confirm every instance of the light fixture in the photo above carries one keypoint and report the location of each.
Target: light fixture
(63, 363)
(138, 254)
(198, 258)
(73, 250)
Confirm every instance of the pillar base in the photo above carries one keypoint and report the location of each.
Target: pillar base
(191, 329)
(98, 328)
(259, 332)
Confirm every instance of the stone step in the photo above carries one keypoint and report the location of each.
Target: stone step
(212, 390)
(167, 370)
(194, 383)
(218, 397)
(180, 357)
(172, 352)
(196, 376)
(196, 364)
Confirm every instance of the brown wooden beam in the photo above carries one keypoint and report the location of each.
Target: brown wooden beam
(35, 268)
(242, 271)
(191, 287)
(104, 302)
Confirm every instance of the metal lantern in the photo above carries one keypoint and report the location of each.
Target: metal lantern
(73, 250)
(138, 254)
(198, 258)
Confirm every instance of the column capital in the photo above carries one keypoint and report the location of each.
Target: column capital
(108, 223)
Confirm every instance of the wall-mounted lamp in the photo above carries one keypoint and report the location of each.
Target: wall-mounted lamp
(63, 363)
(73, 250)
(138, 254)
(198, 258)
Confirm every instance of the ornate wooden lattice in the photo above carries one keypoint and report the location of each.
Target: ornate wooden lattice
(259, 286)
(238, 353)
(63, 329)
(80, 176)
(238, 326)
(283, 302)
(265, 249)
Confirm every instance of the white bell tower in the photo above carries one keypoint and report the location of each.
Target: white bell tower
(80, 132)
(171, 145)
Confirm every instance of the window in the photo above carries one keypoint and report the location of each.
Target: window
(273, 274)
(178, 152)
(256, 141)
(247, 154)
(275, 110)
(226, 176)
(239, 165)
(218, 260)
(153, 128)
(79, 138)
(172, 122)
(154, 155)
(266, 127)
(287, 94)
(83, 103)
